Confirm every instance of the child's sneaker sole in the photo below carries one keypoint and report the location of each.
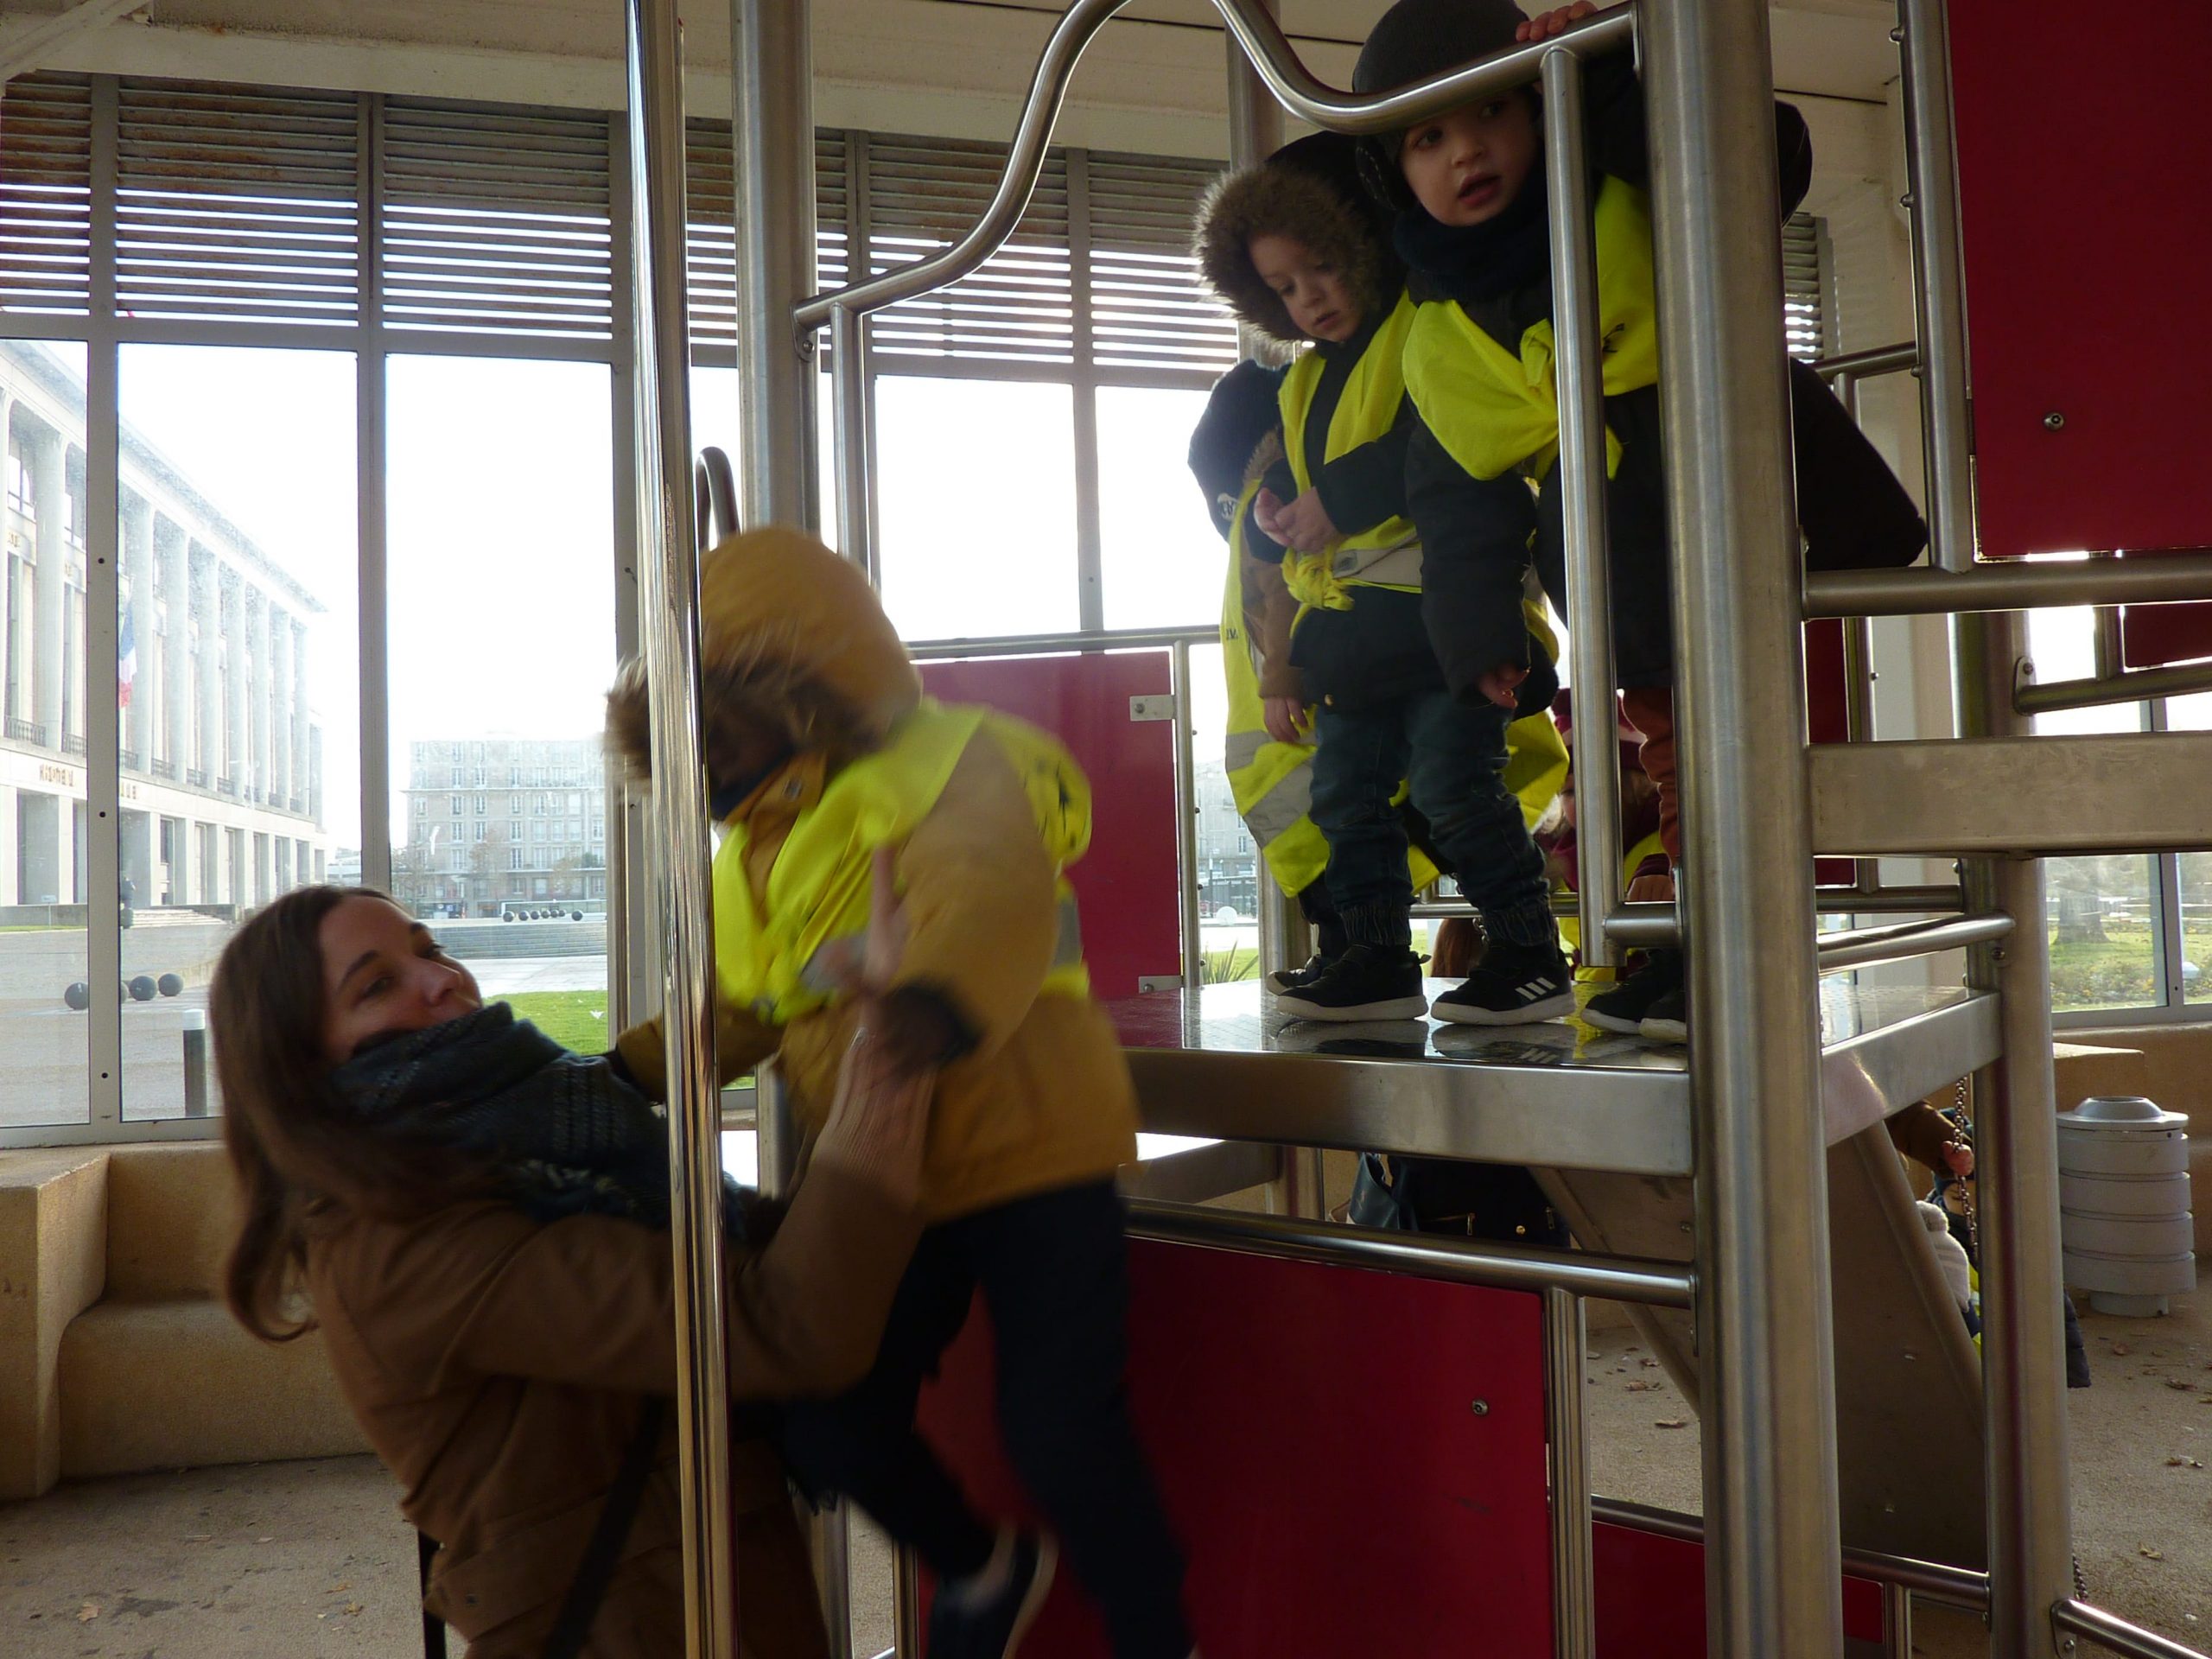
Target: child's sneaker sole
(1396, 1008)
(1465, 1014)
(1033, 1602)
(1613, 1022)
(1665, 1030)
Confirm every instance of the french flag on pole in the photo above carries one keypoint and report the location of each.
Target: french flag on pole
(126, 662)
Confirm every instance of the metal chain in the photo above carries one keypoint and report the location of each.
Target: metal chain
(1965, 1188)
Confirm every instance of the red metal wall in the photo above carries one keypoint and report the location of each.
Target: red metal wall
(2085, 158)
(1126, 883)
(1315, 1435)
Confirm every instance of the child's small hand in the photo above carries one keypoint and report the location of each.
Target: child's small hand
(1306, 524)
(1498, 684)
(1286, 718)
(1958, 1158)
(1545, 24)
(1267, 513)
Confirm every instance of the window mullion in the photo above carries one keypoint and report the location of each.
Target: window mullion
(1090, 553)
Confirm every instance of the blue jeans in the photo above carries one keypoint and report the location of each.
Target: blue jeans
(1453, 756)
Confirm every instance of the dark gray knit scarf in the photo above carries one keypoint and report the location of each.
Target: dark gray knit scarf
(567, 1136)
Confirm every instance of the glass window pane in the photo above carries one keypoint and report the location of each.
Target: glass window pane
(238, 679)
(43, 848)
(2104, 933)
(2194, 714)
(1229, 864)
(502, 584)
(1162, 558)
(714, 423)
(976, 486)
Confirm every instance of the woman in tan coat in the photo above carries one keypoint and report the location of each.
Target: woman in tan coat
(476, 1220)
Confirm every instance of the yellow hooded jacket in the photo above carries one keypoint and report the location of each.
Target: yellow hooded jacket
(791, 632)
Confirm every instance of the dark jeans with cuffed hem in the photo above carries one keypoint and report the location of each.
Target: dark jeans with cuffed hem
(1053, 1270)
(1453, 755)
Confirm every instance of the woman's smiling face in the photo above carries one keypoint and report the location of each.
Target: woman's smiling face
(381, 972)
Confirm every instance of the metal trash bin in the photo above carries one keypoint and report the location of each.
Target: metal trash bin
(2123, 1204)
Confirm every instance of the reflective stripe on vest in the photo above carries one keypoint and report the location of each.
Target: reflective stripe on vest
(1273, 782)
(1494, 410)
(782, 958)
(1386, 556)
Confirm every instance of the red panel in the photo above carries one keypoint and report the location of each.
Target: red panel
(1311, 1431)
(1825, 721)
(2083, 157)
(1650, 1594)
(2152, 636)
(1126, 883)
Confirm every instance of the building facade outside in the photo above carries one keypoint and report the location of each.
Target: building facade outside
(221, 784)
(1229, 865)
(501, 824)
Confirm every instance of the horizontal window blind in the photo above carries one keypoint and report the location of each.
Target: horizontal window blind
(925, 193)
(237, 203)
(497, 220)
(1804, 325)
(1148, 309)
(710, 233)
(45, 194)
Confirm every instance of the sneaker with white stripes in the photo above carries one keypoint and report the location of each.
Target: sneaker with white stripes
(1514, 985)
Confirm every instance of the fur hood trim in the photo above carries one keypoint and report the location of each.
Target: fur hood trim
(1283, 197)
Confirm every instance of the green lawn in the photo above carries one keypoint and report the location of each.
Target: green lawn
(575, 1020)
(2116, 971)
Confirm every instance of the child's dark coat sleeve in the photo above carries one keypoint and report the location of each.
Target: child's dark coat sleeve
(1474, 537)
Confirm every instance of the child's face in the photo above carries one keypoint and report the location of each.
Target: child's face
(1468, 165)
(1314, 292)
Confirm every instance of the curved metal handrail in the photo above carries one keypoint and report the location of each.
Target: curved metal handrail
(1269, 51)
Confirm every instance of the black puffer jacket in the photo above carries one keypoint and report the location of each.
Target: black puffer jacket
(1478, 534)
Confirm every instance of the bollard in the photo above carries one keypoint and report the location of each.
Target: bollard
(195, 1063)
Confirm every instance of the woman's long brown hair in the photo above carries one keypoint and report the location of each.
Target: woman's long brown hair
(299, 1155)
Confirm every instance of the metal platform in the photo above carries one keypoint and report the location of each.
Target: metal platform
(1218, 1062)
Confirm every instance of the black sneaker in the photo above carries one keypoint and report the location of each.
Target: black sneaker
(1621, 1006)
(1368, 981)
(1668, 1021)
(1513, 985)
(1284, 980)
(993, 1628)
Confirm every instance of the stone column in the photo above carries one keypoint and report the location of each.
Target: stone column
(173, 580)
(138, 723)
(256, 770)
(299, 784)
(49, 614)
(204, 755)
(234, 764)
(278, 680)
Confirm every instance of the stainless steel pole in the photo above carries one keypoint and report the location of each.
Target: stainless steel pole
(1186, 820)
(1254, 134)
(1764, 1336)
(1579, 374)
(1574, 1617)
(2023, 1318)
(1939, 285)
(668, 570)
(772, 68)
(849, 407)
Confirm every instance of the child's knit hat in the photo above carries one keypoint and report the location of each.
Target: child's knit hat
(1310, 191)
(1240, 412)
(1414, 40)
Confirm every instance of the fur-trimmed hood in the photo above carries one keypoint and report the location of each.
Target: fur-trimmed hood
(1309, 191)
(791, 639)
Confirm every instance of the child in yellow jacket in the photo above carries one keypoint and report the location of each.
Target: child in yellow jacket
(822, 755)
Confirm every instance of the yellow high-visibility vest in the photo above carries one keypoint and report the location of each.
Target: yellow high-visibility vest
(775, 957)
(1493, 410)
(1273, 782)
(1385, 555)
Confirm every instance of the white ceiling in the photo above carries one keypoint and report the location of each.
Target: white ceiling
(1153, 80)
